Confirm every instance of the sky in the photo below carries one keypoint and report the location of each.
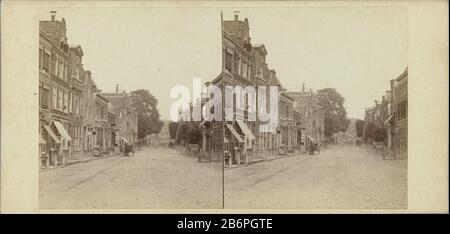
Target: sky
(356, 50)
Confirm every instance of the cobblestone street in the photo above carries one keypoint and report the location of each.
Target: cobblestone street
(153, 178)
(341, 177)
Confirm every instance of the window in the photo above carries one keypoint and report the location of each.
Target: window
(66, 102)
(64, 71)
(228, 60)
(287, 111)
(239, 67)
(245, 101)
(67, 71)
(55, 98)
(76, 103)
(65, 143)
(60, 69)
(60, 101)
(55, 70)
(44, 97)
(46, 61)
(244, 70)
(235, 63)
(70, 102)
(402, 110)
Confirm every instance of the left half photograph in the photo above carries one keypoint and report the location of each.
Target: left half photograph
(107, 137)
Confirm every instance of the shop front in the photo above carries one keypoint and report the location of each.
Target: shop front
(65, 140)
(51, 149)
(233, 146)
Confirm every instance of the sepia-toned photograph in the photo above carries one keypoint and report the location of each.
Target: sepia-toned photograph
(341, 138)
(107, 139)
(109, 84)
(224, 106)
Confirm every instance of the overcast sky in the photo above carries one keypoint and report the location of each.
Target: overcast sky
(356, 50)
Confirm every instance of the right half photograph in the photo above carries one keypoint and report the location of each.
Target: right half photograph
(315, 108)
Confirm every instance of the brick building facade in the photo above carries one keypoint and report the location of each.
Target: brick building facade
(391, 113)
(75, 121)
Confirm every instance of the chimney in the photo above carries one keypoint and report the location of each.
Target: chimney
(53, 14)
(303, 87)
(117, 88)
(236, 15)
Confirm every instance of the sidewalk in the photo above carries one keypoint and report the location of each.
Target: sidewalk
(382, 151)
(83, 159)
(268, 159)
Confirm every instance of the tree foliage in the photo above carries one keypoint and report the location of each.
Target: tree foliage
(359, 125)
(148, 114)
(332, 103)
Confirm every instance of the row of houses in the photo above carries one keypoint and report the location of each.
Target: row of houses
(391, 113)
(301, 119)
(76, 119)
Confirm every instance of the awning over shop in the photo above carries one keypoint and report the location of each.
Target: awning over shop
(41, 140)
(52, 134)
(235, 134)
(388, 119)
(62, 131)
(245, 129)
(123, 139)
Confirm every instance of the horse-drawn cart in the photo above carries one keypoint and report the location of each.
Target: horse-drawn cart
(127, 149)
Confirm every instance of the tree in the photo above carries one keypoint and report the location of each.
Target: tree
(359, 125)
(148, 115)
(328, 128)
(332, 103)
(173, 126)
